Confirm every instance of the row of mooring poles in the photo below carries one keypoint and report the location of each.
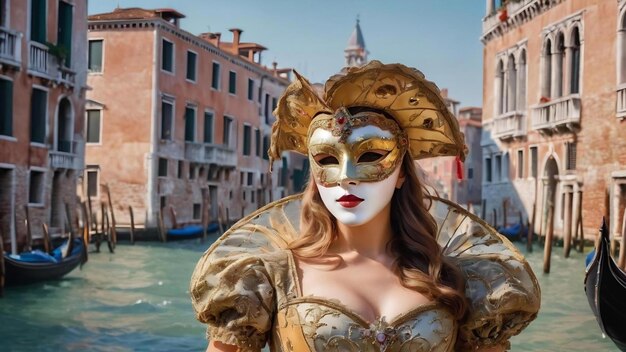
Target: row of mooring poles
(572, 216)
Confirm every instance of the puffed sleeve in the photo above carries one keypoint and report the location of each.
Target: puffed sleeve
(235, 298)
(235, 283)
(502, 290)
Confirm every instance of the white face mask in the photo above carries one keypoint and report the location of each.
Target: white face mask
(351, 201)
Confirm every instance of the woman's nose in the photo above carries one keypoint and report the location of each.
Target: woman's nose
(345, 181)
(348, 175)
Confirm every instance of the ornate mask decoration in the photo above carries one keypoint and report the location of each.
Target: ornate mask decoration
(365, 147)
(394, 90)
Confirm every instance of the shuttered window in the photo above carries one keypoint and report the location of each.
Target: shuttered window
(95, 56)
(39, 105)
(38, 21)
(190, 124)
(93, 126)
(6, 107)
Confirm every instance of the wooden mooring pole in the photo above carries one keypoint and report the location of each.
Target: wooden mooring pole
(161, 227)
(132, 224)
(567, 235)
(531, 230)
(547, 252)
(495, 218)
(579, 223)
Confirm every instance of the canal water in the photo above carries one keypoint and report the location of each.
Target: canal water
(137, 300)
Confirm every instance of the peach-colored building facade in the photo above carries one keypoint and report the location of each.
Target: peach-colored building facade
(554, 106)
(441, 173)
(42, 97)
(176, 119)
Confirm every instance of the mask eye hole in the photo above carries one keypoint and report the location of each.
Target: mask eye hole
(369, 157)
(326, 159)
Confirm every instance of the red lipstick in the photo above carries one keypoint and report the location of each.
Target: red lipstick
(349, 201)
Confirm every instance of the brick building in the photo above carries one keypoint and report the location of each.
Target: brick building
(554, 102)
(42, 98)
(441, 173)
(175, 119)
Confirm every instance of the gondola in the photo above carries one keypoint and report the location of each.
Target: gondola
(513, 232)
(35, 266)
(191, 231)
(605, 286)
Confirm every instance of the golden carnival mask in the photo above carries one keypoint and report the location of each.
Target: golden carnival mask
(369, 155)
(423, 124)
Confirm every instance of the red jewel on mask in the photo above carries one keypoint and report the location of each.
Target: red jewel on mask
(341, 120)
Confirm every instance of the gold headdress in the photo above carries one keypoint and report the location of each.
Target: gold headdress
(399, 91)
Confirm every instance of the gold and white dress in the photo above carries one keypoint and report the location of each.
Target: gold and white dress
(245, 288)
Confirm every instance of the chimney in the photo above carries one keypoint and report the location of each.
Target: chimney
(214, 38)
(274, 66)
(236, 37)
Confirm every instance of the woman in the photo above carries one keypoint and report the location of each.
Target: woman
(363, 261)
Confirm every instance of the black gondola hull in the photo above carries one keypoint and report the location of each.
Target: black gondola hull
(605, 286)
(21, 273)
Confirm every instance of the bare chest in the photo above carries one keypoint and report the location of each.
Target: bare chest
(369, 290)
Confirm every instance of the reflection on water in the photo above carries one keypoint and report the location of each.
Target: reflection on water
(137, 300)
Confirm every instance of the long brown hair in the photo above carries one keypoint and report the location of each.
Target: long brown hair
(419, 259)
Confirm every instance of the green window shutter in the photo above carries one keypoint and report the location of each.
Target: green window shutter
(6, 107)
(246, 140)
(38, 21)
(215, 78)
(191, 65)
(167, 56)
(266, 147)
(257, 140)
(166, 121)
(208, 127)
(93, 126)
(232, 82)
(190, 122)
(95, 56)
(64, 38)
(38, 116)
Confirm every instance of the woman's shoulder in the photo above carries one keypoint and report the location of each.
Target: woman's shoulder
(502, 290)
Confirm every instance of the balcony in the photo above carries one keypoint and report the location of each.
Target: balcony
(517, 12)
(10, 44)
(39, 60)
(66, 157)
(46, 66)
(210, 153)
(562, 114)
(509, 125)
(621, 101)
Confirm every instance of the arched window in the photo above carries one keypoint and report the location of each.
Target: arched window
(547, 70)
(511, 83)
(558, 66)
(499, 101)
(521, 81)
(621, 50)
(575, 62)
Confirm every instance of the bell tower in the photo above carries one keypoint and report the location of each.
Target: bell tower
(355, 52)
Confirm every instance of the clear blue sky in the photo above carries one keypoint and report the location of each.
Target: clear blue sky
(439, 37)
